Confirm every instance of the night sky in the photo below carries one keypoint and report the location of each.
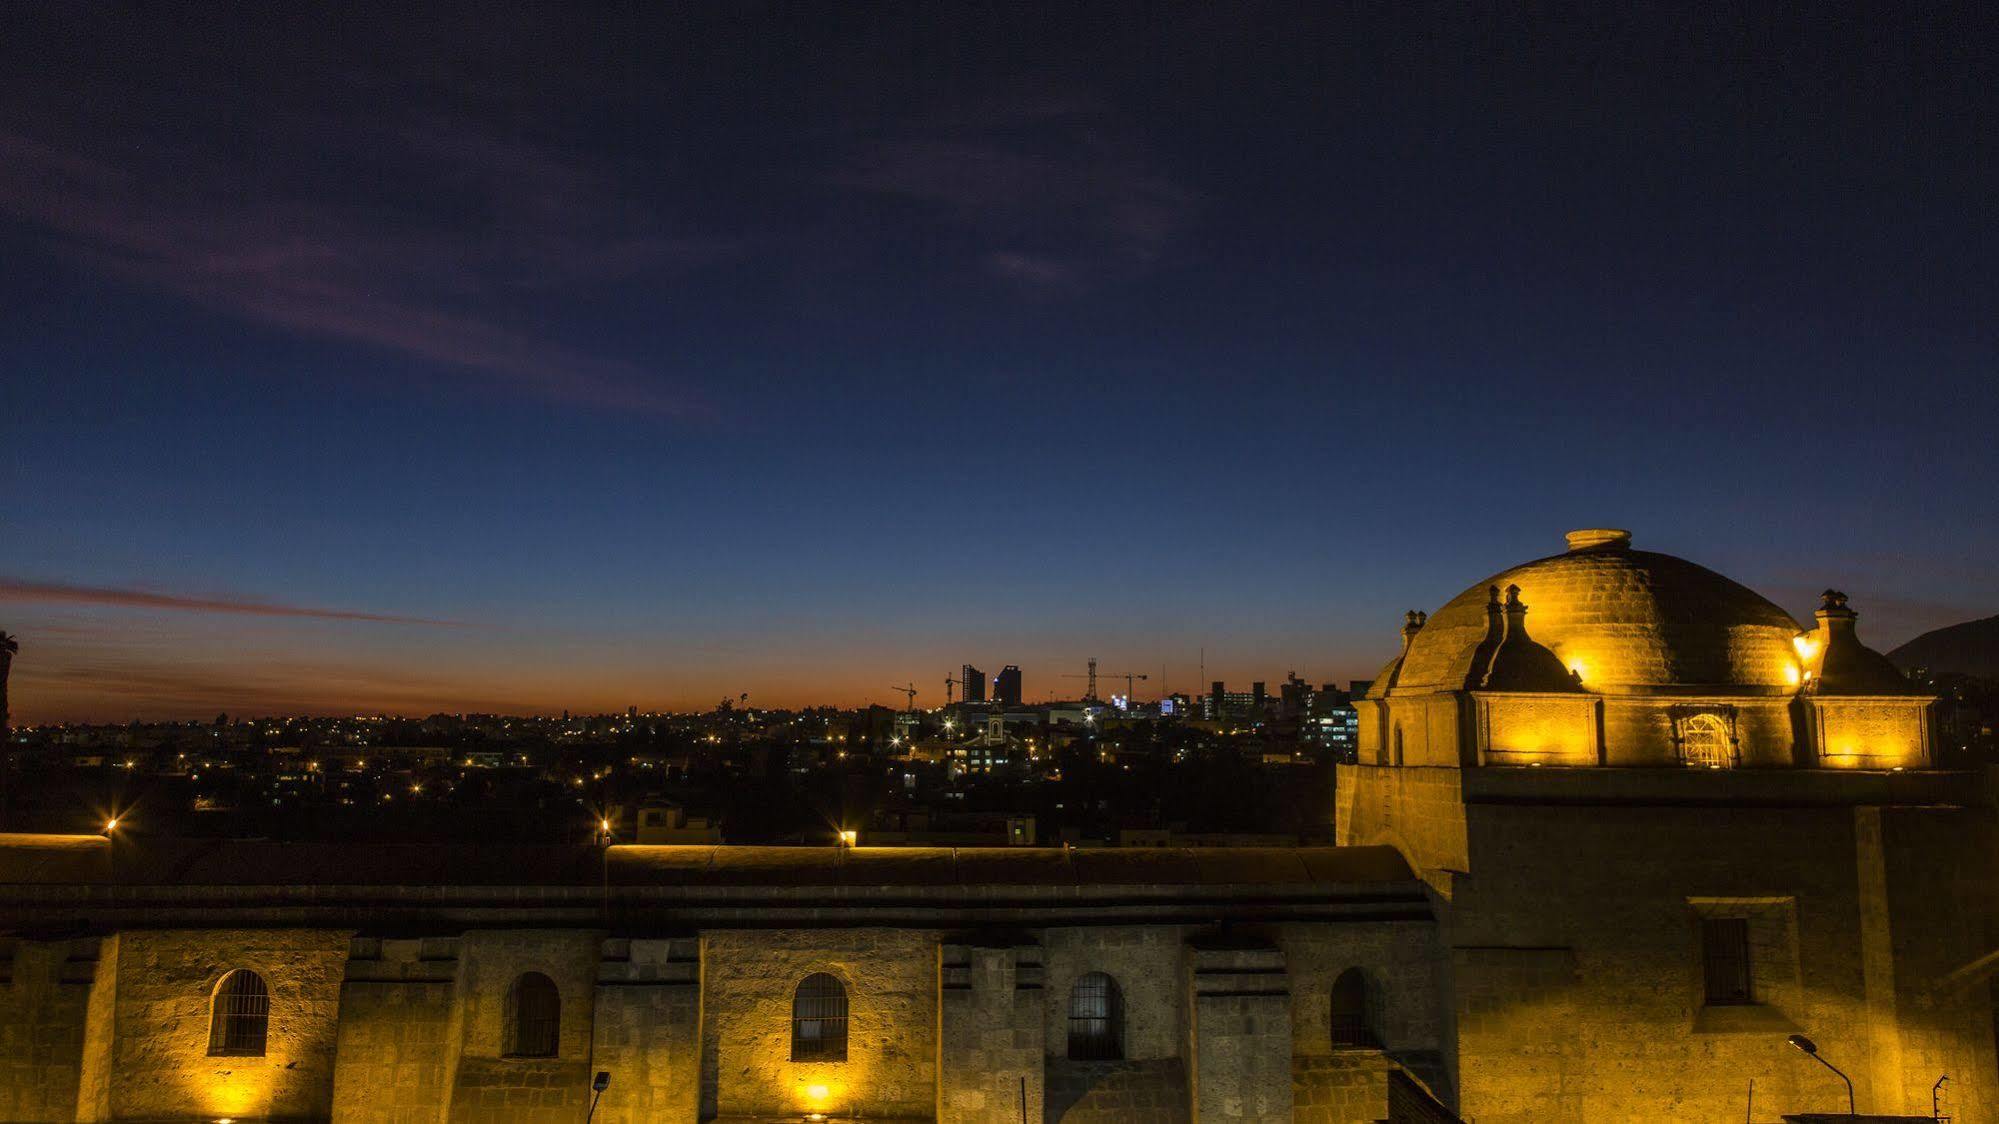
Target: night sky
(523, 361)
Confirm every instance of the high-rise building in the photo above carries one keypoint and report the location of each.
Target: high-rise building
(1220, 702)
(973, 681)
(1006, 687)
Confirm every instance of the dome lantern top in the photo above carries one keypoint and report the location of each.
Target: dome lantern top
(1599, 538)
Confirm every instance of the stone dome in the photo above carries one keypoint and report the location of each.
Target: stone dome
(1622, 618)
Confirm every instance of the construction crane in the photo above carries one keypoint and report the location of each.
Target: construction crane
(910, 691)
(949, 683)
(1090, 692)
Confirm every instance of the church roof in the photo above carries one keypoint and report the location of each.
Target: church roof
(1621, 618)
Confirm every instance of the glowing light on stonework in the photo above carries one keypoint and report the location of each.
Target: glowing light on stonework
(1806, 644)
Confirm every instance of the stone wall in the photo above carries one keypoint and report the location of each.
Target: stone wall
(43, 1003)
(1127, 1092)
(486, 1084)
(1871, 733)
(1400, 962)
(991, 1034)
(1936, 896)
(749, 978)
(1576, 962)
(1239, 1041)
(1418, 811)
(396, 1045)
(648, 1030)
(93, 1092)
(1431, 729)
(1145, 960)
(1344, 1087)
(1639, 729)
(161, 986)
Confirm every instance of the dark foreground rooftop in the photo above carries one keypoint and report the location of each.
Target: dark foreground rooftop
(89, 859)
(53, 881)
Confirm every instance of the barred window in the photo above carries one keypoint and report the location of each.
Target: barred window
(819, 1020)
(1096, 1019)
(1725, 961)
(1350, 1023)
(1704, 743)
(534, 1017)
(241, 1016)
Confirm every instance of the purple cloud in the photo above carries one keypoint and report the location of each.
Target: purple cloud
(1053, 191)
(34, 592)
(337, 272)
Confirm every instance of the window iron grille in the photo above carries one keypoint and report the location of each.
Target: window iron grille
(819, 1020)
(241, 1020)
(1096, 1019)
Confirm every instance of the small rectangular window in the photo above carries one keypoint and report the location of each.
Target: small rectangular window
(1725, 960)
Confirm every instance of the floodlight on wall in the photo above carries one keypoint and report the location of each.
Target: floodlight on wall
(1811, 1049)
(597, 1086)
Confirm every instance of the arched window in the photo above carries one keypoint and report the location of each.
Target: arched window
(819, 1020)
(1096, 1019)
(240, 1018)
(534, 1017)
(1351, 1025)
(1704, 742)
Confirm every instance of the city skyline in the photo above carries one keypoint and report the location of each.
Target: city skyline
(502, 364)
(200, 693)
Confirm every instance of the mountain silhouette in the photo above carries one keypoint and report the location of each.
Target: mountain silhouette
(1971, 648)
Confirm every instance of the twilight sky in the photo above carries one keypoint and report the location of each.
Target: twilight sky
(519, 361)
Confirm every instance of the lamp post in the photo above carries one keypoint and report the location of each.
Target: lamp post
(604, 838)
(110, 834)
(597, 1086)
(1812, 1049)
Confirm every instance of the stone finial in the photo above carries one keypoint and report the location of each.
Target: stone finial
(1413, 621)
(1845, 665)
(1495, 631)
(1517, 662)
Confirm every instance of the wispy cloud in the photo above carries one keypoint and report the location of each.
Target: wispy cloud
(408, 284)
(59, 593)
(89, 684)
(1056, 192)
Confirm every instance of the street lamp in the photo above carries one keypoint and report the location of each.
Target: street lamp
(597, 1086)
(1811, 1048)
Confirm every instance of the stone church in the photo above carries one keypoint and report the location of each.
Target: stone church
(1619, 829)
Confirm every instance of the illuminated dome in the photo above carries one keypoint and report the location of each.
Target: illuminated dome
(1621, 618)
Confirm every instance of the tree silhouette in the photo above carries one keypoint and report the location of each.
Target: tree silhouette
(8, 646)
